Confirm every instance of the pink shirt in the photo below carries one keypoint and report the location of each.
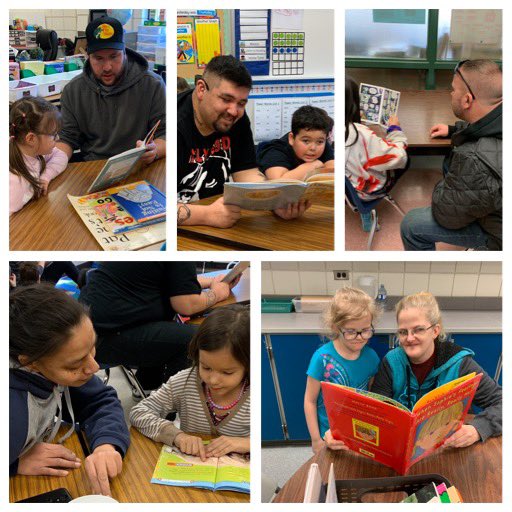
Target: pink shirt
(21, 191)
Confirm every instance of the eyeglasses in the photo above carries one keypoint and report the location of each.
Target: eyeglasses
(352, 334)
(416, 331)
(457, 71)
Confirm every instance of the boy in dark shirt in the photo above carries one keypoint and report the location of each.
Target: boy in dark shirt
(302, 150)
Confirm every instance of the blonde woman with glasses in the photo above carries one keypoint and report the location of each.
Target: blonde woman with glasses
(425, 360)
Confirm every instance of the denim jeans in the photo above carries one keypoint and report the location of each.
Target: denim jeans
(420, 232)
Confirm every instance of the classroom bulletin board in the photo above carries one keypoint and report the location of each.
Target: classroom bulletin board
(200, 36)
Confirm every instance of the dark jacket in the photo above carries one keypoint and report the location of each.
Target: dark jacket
(33, 407)
(395, 379)
(472, 187)
(105, 121)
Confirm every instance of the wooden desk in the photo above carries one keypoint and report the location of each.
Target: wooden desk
(131, 486)
(476, 471)
(51, 224)
(262, 230)
(418, 112)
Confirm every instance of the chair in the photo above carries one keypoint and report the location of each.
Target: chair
(47, 41)
(367, 209)
(129, 375)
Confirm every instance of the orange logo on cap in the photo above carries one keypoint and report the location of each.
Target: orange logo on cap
(104, 31)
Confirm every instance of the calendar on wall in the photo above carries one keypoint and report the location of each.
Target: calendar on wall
(288, 53)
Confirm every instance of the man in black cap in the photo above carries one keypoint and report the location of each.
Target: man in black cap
(110, 107)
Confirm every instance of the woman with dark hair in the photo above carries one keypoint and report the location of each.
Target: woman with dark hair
(51, 379)
(372, 164)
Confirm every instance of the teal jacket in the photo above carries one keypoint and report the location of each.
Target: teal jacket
(395, 379)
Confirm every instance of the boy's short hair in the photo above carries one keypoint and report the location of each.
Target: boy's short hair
(229, 68)
(311, 118)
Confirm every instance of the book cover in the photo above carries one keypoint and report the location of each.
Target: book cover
(141, 200)
(114, 228)
(385, 431)
(229, 472)
(378, 104)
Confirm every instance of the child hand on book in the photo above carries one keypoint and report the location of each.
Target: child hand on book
(192, 445)
(393, 121)
(334, 444)
(227, 444)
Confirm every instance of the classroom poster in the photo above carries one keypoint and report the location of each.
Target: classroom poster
(190, 13)
(252, 39)
(207, 40)
(288, 53)
(185, 45)
(287, 19)
(267, 119)
(477, 26)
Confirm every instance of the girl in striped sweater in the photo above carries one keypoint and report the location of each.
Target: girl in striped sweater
(212, 397)
(372, 164)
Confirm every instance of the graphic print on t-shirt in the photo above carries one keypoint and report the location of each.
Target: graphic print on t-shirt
(209, 169)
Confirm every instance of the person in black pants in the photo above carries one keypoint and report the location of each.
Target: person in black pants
(133, 308)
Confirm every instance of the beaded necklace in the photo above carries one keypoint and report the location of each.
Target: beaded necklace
(213, 405)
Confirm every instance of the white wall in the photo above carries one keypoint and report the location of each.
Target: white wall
(448, 279)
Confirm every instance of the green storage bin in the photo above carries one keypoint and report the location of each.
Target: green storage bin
(276, 306)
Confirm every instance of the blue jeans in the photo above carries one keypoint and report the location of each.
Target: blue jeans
(420, 232)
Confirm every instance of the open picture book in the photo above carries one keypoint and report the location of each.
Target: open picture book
(119, 167)
(126, 217)
(384, 430)
(227, 473)
(378, 104)
(317, 186)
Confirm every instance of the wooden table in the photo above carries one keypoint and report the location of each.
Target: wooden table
(52, 224)
(418, 111)
(476, 471)
(262, 230)
(131, 486)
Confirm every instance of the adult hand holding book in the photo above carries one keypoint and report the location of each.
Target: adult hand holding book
(148, 143)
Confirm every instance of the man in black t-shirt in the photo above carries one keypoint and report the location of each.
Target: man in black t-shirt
(133, 305)
(215, 144)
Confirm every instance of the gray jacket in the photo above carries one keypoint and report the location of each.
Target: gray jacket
(472, 187)
(104, 121)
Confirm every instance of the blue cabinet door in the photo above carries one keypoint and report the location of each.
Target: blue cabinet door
(380, 343)
(292, 355)
(487, 349)
(270, 419)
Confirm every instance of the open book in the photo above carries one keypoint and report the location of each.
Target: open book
(318, 187)
(120, 166)
(227, 473)
(126, 217)
(378, 104)
(384, 430)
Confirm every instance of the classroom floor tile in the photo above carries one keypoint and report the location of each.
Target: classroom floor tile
(414, 190)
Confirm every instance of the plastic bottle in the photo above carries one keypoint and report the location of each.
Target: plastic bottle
(382, 296)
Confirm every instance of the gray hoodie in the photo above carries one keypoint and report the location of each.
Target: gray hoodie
(104, 121)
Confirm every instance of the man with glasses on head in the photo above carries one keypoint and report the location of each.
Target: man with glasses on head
(215, 144)
(467, 203)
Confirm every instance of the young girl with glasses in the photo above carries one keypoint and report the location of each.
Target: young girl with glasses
(425, 361)
(34, 160)
(344, 360)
